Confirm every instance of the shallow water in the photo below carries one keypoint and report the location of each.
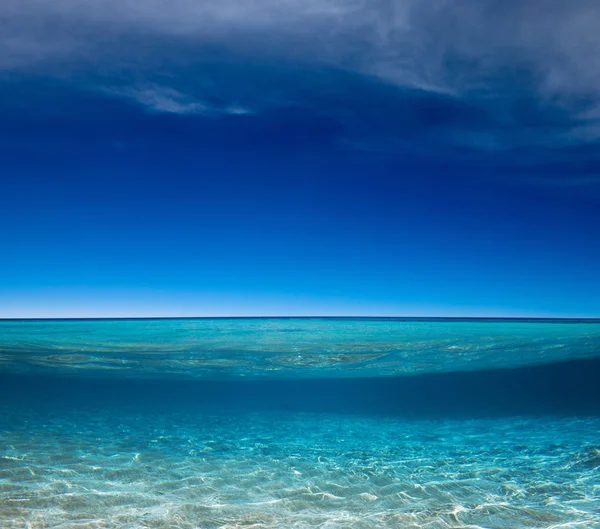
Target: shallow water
(289, 347)
(238, 443)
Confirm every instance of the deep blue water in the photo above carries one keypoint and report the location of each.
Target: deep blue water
(358, 423)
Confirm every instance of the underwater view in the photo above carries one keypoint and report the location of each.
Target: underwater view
(299, 423)
(183, 183)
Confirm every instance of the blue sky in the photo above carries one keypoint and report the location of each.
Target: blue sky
(298, 158)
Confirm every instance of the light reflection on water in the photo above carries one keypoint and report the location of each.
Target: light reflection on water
(187, 470)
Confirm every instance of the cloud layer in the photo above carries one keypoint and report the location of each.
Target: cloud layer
(444, 44)
(485, 75)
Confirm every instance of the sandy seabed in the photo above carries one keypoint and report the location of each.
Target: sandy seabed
(133, 469)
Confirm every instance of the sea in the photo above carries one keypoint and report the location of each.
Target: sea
(326, 423)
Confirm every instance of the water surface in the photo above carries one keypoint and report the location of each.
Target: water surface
(299, 423)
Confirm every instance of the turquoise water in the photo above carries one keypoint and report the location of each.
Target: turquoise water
(330, 423)
(276, 348)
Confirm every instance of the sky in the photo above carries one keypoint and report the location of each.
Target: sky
(286, 157)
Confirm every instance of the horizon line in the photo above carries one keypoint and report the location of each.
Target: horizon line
(314, 317)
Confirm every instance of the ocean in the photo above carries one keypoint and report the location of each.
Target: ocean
(300, 423)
